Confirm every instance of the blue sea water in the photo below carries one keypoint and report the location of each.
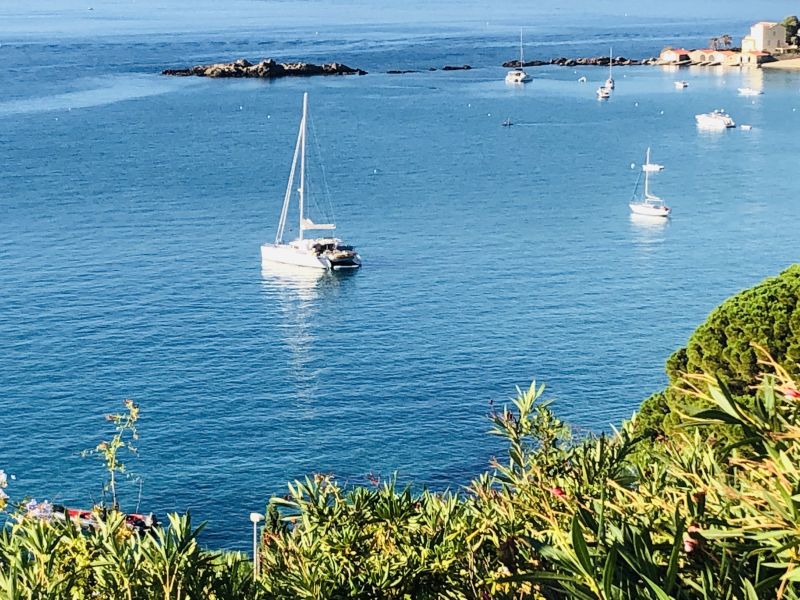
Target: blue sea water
(133, 206)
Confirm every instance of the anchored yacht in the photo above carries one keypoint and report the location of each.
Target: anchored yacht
(317, 253)
(648, 204)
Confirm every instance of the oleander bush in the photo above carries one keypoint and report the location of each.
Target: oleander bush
(695, 513)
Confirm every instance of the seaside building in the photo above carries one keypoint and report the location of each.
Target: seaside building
(765, 36)
(674, 56)
(712, 57)
(755, 59)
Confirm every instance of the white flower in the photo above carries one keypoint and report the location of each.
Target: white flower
(44, 510)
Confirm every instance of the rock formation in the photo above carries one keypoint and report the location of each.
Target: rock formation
(266, 69)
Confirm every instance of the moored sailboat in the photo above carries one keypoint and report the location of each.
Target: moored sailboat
(518, 74)
(609, 84)
(648, 204)
(317, 253)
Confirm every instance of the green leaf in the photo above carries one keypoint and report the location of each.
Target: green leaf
(660, 594)
(580, 547)
(608, 573)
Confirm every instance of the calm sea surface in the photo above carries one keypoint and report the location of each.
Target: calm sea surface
(132, 207)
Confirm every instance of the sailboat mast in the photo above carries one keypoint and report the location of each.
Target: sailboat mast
(303, 160)
(289, 187)
(521, 59)
(647, 175)
(610, 60)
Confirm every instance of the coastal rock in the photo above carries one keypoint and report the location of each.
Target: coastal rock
(265, 69)
(584, 61)
(456, 68)
(514, 64)
(401, 72)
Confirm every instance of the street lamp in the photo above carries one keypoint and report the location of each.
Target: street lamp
(255, 519)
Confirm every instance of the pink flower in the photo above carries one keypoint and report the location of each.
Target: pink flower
(558, 492)
(791, 392)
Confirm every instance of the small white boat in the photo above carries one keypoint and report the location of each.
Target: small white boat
(745, 127)
(317, 253)
(749, 92)
(716, 119)
(648, 204)
(518, 74)
(603, 93)
(681, 84)
(507, 123)
(609, 84)
(582, 79)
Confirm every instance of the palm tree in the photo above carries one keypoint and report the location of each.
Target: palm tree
(713, 43)
(726, 40)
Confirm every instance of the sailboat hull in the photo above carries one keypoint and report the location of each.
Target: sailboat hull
(311, 255)
(649, 210)
(286, 254)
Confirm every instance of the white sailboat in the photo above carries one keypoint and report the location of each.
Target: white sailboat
(518, 74)
(317, 253)
(609, 84)
(649, 204)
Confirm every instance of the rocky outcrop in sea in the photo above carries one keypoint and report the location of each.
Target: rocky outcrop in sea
(266, 69)
(594, 61)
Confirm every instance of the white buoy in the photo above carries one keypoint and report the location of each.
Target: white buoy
(241, 107)
(633, 165)
(488, 114)
(636, 104)
(661, 113)
(269, 116)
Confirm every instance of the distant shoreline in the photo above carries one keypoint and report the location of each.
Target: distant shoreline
(791, 64)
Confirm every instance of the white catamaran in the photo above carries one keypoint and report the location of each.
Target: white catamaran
(317, 253)
(649, 204)
(518, 74)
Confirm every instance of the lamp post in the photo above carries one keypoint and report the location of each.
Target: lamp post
(255, 519)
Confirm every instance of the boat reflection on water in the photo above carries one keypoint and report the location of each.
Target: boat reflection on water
(648, 222)
(294, 297)
(649, 232)
(284, 281)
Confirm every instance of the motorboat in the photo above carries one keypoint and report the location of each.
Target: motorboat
(317, 253)
(518, 75)
(747, 91)
(716, 119)
(603, 93)
(648, 204)
(681, 84)
(507, 123)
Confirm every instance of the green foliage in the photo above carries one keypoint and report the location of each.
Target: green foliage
(791, 24)
(57, 560)
(124, 439)
(767, 315)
